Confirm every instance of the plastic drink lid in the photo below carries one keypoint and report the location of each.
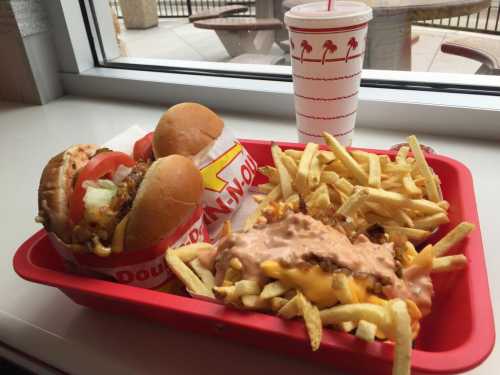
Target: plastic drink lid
(317, 15)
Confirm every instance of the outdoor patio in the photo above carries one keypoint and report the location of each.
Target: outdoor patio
(177, 39)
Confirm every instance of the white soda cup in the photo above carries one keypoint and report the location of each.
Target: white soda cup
(327, 50)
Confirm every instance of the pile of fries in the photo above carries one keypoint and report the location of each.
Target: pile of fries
(356, 191)
(403, 195)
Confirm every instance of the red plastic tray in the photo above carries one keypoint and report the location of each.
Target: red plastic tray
(457, 336)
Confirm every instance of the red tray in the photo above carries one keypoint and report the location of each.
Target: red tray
(457, 336)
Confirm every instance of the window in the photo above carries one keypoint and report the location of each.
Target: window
(445, 46)
(94, 62)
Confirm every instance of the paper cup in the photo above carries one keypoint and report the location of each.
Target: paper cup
(327, 50)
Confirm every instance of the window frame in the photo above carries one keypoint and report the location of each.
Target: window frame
(428, 98)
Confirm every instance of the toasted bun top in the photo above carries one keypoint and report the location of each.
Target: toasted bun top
(186, 129)
(56, 186)
(169, 194)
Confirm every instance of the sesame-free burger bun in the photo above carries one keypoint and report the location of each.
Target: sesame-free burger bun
(167, 197)
(56, 188)
(186, 129)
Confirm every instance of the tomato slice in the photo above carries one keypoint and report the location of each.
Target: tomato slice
(105, 163)
(143, 148)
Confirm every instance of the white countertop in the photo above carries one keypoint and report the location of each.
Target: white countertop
(42, 323)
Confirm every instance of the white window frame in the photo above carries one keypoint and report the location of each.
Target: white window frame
(457, 114)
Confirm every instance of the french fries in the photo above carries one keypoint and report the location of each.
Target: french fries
(342, 154)
(366, 330)
(430, 181)
(355, 312)
(401, 332)
(290, 165)
(291, 309)
(353, 203)
(271, 173)
(254, 302)
(345, 326)
(326, 157)
(377, 318)
(342, 289)
(294, 154)
(313, 179)
(274, 289)
(205, 275)
(402, 154)
(311, 316)
(432, 221)
(413, 234)
(449, 263)
(188, 277)
(453, 237)
(277, 303)
(189, 252)
(359, 193)
(374, 171)
(399, 200)
(411, 188)
(284, 176)
(425, 258)
(271, 197)
(246, 287)
(301, 179)
(319, 199)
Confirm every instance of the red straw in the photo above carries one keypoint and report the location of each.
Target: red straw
(330, 4)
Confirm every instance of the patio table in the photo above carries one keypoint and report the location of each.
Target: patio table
(389, 33)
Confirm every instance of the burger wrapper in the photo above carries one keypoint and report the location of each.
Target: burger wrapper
(228, 171)
(142, 268)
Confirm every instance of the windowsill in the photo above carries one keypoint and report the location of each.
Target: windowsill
(368, 74)
(406, 110)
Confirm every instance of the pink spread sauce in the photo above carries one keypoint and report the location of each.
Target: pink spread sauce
(293, 240)
(415, 285)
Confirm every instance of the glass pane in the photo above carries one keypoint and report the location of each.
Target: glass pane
(444, 36)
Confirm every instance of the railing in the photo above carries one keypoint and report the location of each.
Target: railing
(184, 8)
(486, 21)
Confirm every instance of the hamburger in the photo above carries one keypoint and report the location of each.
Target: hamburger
(196, 132)
(103, 202)
(187, 129)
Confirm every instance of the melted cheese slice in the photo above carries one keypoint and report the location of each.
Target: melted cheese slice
(314, 283)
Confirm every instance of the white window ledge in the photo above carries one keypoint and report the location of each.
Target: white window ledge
(454, 114)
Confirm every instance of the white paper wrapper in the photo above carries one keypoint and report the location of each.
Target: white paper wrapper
(228, 172)
(144, 268)
(124, 141)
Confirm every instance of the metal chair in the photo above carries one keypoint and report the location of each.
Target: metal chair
(482, 49)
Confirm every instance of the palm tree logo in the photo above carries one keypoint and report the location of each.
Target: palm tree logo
(352, 44)
(328, 46)
(306, 47)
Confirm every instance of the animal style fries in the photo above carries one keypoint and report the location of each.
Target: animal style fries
(333, 242)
